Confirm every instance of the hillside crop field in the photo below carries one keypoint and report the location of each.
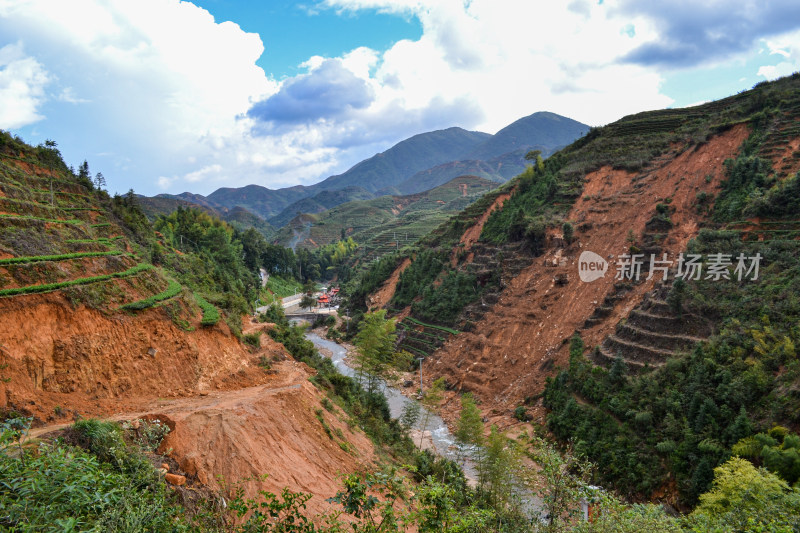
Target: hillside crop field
(386, 224)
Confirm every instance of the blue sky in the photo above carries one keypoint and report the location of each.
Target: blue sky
(170, 96)
(293, 32)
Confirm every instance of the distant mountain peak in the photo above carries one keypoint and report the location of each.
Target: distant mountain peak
(418, 163)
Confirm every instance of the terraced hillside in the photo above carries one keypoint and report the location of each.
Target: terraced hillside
(68, 248)
(647, 390)
(102, 317)
(652, 334)
(386, 224)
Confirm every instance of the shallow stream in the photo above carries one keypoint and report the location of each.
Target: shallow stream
(443, 440)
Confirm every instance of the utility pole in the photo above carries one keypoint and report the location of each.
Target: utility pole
(420, 359)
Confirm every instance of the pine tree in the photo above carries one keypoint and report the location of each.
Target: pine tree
(741, 427)
(99, 180)
(410, 414)
(83, 171)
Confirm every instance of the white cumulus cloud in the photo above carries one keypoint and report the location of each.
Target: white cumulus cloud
(156, 79)
(510, 58)
(160, 96)
(22, 87)
(788, 47)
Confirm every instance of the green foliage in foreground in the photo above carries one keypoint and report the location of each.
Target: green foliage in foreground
(103, 485)
(173, 289)
(32, 289)
(59, 257)
(777, 450)
(746, 498)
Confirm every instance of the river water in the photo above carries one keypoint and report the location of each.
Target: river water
(443, 440)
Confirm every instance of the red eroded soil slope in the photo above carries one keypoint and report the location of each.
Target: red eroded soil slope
(382, 296)
(516, 346)
(228, 416)
(82, 360)
(266, 430)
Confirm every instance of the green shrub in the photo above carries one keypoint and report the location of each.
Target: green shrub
(253, 340)
(147, 434)
(210, 313)
(273, 314)
(105, 487)
(747, 176)
(569, 232)
(173, 289)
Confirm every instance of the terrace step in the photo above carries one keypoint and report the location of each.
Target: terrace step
(591, 322)
(602, 357)
(632, 351)
(661, 308)
(655, 340)
(602, 311)
(691, 325)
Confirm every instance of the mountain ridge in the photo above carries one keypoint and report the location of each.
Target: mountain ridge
(390, 171)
